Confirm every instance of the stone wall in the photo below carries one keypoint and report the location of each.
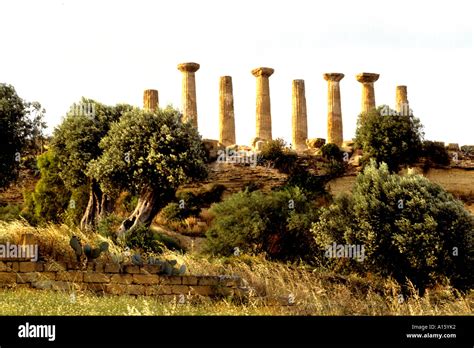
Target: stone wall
(113, 279)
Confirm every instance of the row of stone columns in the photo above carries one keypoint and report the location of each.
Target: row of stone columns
(263, 106)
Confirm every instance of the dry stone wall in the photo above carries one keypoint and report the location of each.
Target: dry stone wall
(114, 279)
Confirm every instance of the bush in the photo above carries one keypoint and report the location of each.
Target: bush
(275, 153)
(143, 239)
(10, 212)
(395, 140)
(191, 203)
(435, 153)
(332, 152)
(408, 226)
(276, 223)
(50, 198)
(108, 225)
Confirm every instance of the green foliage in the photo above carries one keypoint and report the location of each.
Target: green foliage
(331, 152)
(310, 184)
(76, 139)
(276, 223)
(108, 225)
(275, 153)
(409, 228)
(149, 150)
(435, 153)
(142, 238)
(395, 140)
(190, 203)
(173, 212)
(10, 212)
(50, 198)
(20, 122)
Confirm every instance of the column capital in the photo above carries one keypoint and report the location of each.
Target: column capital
(403, 88)
(262, 71)
(336, 77)
(188, 67)
(367, 77)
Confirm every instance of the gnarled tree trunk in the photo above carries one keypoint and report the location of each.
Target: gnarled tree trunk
(98, 206)
(149, 204)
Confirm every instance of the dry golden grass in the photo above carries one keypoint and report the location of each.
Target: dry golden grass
(274, 288)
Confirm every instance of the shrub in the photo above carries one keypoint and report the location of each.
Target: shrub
(435, 153)
(142, 238)
(331, 152)
(50, 198)
(191, 203)
(410, 228)
(275, 153)
(395, 140)
(108, 225)
(10, 212)
(276, 223)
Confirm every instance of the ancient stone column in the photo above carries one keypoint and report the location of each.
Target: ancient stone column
(401, 101)
(334, 108)
(299, 116)
(150, 99)
(264, 118)
(188, 96)
(226, 112)
(368, 92)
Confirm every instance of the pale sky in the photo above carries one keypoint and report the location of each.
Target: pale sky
(57, 51)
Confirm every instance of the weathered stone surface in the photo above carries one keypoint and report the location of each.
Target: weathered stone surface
(95, 287)
(315, 143)
(22, 278)
(202, 290)
(299, 116)
(55, 266)
(136, 289)
(112, 268)
(334, 122)
(212, 147)
(3, 266)
(189, 92)
(116, 289)
(145, 279)
(180, 289)
(7, 278)
(401, 101)
(263, 108)
(121, 278)
(150, 99)
(132, 269)
(150, 269)
(92, 277)
(190, 280)
(368, 92)
(171, 280)
(70, 276)
(13, 266)
(99, 267)
(226, 112)
(39, 266)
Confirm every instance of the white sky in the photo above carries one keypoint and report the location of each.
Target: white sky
(57, 51)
